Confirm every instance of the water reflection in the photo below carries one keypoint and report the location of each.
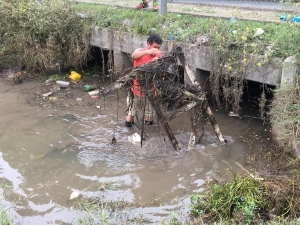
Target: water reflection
(12, 175)
(49, 157)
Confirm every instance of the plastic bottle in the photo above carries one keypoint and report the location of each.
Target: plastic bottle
(282, 17)
(90, 87)
(61, 83)
(296, 19)
(93, 93)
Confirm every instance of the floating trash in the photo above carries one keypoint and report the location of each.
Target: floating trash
(75, 194)
(135, 138)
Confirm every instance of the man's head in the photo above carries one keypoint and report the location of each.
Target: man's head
(154, 41)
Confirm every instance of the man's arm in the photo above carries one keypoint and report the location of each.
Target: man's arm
(140, 53)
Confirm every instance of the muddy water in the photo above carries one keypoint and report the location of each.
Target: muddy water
(46, 154)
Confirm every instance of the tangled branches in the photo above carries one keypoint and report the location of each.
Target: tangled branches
(164, 76)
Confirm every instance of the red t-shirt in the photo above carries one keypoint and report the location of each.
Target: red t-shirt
(136, 89)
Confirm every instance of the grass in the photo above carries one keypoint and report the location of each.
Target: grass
(279, 37)
(41, 35)
(285, 118)
(248, 200)
(234, 42)
(240, 199)
(5, 217)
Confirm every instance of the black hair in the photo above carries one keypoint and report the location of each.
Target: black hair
(154, 38)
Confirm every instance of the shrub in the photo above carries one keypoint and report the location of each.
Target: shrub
(42, 34)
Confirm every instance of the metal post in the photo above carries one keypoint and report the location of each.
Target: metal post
(162, 6)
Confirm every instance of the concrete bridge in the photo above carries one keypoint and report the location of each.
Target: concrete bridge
(276, 72)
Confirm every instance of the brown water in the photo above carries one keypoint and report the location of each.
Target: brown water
(47, 153)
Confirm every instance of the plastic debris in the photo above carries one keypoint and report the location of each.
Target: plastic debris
(92, 93)
(282, 17)
(135, 138)
(81, 15)
(74, 76)
(95, 97)
(258, 32)
(232, 20)
(296, 19)
(201, 40)
(62, 83)
(75, 194)
(289, 18)
(89, 87)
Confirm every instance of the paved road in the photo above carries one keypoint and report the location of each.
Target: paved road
(213, 10)
(259, 4)
(256, 4)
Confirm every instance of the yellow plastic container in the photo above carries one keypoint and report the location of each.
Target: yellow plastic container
(74, 76)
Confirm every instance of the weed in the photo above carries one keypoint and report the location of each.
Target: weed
(285, 118)
(5, 217)
(247, 200)
(234, 43)
(56, 77)
(42, 34)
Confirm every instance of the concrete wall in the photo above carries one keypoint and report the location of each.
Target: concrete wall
(200, 58)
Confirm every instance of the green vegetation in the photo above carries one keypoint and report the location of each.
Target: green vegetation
(41, 35)
(234, 43)
(249, 200)
(240, 198)
(223, 34)
(5, 218)
(285, 118)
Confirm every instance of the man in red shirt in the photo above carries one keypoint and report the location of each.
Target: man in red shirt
(140, 57)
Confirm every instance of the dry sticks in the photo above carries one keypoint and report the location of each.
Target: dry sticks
(163, 75)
